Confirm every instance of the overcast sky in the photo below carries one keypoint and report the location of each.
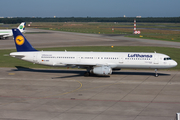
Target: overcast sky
(91, 8)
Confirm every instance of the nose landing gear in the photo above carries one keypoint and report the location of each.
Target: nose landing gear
(156, 74)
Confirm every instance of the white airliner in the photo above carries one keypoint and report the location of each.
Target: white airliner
(8, 32)
(100, 63)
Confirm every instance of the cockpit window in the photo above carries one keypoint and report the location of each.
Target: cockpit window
(167, 58)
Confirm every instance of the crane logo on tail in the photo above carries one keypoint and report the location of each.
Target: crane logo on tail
(19, 40)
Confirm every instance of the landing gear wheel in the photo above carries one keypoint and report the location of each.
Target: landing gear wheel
(156, 74)
(87, 74)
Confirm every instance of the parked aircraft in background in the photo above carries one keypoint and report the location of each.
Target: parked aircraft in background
(100, 63)
(8, 32)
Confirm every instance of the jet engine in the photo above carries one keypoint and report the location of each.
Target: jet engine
(103, 70)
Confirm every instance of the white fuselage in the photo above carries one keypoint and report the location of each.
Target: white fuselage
(6, 33)
(111, 59)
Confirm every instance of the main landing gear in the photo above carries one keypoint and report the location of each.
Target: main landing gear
(156, 74)
(87, 74)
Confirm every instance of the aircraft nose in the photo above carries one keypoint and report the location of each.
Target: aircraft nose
(174, 63)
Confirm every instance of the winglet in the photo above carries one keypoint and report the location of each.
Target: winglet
(22, 44)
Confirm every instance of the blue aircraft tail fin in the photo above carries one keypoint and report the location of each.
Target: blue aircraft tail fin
(22, 44)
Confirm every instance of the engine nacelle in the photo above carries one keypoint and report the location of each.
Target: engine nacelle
(103, 70)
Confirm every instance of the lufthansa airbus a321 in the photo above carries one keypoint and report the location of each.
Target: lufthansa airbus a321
(100, 63)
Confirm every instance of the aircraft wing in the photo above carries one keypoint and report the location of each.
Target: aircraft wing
(1, 35)
(79, 64)
(74, 64)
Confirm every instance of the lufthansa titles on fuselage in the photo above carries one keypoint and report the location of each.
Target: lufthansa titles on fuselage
(140, 55)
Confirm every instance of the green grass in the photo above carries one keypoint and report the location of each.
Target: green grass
(7, 61)
(160, 31)
(164, 37)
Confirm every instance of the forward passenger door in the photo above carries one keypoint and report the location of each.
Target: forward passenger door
(156, 59)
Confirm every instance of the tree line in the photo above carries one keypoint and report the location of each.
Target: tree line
(90, 19)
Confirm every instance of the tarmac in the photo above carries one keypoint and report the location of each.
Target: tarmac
(66, 94)
(41, 94)
(46, 38)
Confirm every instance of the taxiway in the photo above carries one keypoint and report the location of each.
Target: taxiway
(47, 38)
(42, 94)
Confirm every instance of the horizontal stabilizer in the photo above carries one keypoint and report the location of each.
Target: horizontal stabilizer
(17, 55)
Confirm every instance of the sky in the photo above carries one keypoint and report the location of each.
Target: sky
(90, 8)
